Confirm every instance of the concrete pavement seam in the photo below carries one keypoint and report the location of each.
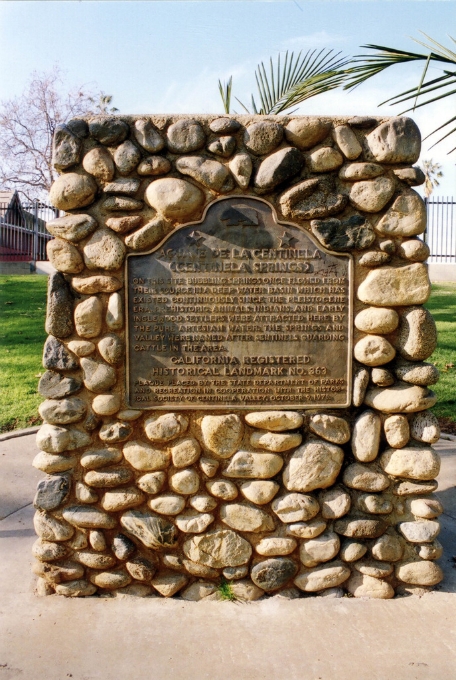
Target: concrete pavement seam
(14, 511)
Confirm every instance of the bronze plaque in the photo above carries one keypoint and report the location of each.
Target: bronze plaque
(239, 311)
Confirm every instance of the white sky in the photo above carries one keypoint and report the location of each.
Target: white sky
(168, 56)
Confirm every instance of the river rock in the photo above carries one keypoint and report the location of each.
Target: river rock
(414, 250)
(98, 162)
(62, 411)
(417, 336)
(382, 377)
(59, 311)
(271, 546)
(406, 216)
(55, 439)
(377, 320)
(70, 191)
(87, 317)
(353, 233)
(397, 431)
(72, 227)
(277, 421)
(85, 517)
(95, 560)
(122, 499)
(64, 256)
(387, 548)
(123, 224)
(148, 235)
(423, 573)
(413, 488)
(278, 168)
(104, 250)
(115, 432)
(416, 373)
(185, 452)
(375, 504)
(144, 457)
(185, 136)
(122, 185)
(66, 148)
(218, 548)
(365, 478)
(82, 348)
(221, 488)
(234, 573)
(140, 568)
(52, 492)
(224, 125)
(222, 435)
(244, 517)
(314, 465)
(148, 136)
(121, 203)
(334, 503)
(320, 549)
(331, 428)
(356, 527)
(273, 441)
(424, 427)
(111, 579)
(426, 508)
(360, 171)
(295, 507)
(110, 477)
(152, 482)
(247, 464)
(421, 531)
(305, 132)
(207, 172)
(274, 573)
(98, 283)
(430, 551)
(193, 522)
(374, 258)
(262, 138)
(329, 575)
(164, 428)
(374, 350)
(84, 494)
(106, 404)
(111, 348)
(184, 481)
(312, 198)
(55, 385)
(417, 462)
(398, 140)
(122, 547)
(363, 585)
(400, 398)
(56, 573)
(153, 165)
(347, 141)
(52, 462)
(223, 146)
(199, 591)
(168, 584)
(360, 382)
(78, 588)
(50, 528)
(174, 198)
(306, 529)
(209, 466)
(46, 551)
(372, 195)
(98, 458)
(351, 551)
(108, 130)
(259, 491)
(325, 159)
(97, 375)
(396, 286)
(366, 436)
(203, 503)
(153, 532)
(411, 176)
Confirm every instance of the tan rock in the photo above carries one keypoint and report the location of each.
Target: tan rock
(273, 441)
(168, 584)
(262, 138)
(153, 531)
(95, 284)
(82, 348)
(352, 551)
(62, 411)
(417, 336)
(295, 507)
(70, 191)
(97, 375)
(419, 462)
(365, 478)
(414, 250)
(64, 256)
(306, 529)
(109, 477)
(209, 466)
(327, 576)
(397, 140)
(153, 165)
(366, 436)
(357, 171)
(325, 159)
(335, 503)
(362, 585)
(111, 349)
(72, 227)
(430, 551)
(420, 531)
(400, 398)
(218, 549)
(360, 382)
(87, 317)
(424, 427)
(98, 458)
(274, 545)
(114, 312)
(55, 439)
(423, 573)
(397, 431)
(221, 488)
(374, 350)
(104, 250)
(78, 588)
(360, 527)
(49, 528)
(320, 549)
(175, 199)
(241, 167)
(148, 136)
(185, 452)
(426, 508)
(122, 499)
(396, 286)
(47, 551)
(347, 141)
(210, 173)
(244, 517)
(98, 162)
(106, 404)
(331, 428)
(374, 504)
(277, 421)
(193, 522)
(387, 548)
(203, 503)
(315, 465)
(124, 224)
(152, 482)
(84, 494)
(126, 157)
(305, 132)
(246, 591)
(406, 216)
(184, 481)
(88, 517)
(382, 377)
(259, 491)
(164, 428)
(198, 591)
(246, 464)
(144, 457)
(372, 195)
(148, 235)
(221, 435)
(52, 462)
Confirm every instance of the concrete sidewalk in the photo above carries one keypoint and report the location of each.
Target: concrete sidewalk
(54, 638)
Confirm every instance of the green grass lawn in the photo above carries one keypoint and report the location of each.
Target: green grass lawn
(22, 335)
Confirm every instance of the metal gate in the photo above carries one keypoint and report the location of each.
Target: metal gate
(440, 232)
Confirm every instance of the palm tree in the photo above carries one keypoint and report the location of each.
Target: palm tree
(432, 173)
(291, 81)
(367, 66)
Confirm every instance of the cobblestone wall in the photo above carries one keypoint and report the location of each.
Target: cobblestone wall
(243, 503)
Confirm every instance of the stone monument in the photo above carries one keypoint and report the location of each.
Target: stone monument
(236, 397)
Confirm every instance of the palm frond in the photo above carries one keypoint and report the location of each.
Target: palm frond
(225, 93)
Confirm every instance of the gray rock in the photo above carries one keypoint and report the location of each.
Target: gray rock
(416, 373)
(278, 168)
(398, 140)
(274, 573)
(351, 551)
(353, 233)
(121, 204)
(362, 121)
(113, 433)
(126, 157)
(153, 532)
(262, 138)
(185, 136)
(66, 148)
(54, 385)
(122, 185)
(347, 141)
(55, 439)
(411, 176)
(108, 130)
(122, 547)
(78, 127)
(424, 427)
(223, 146)
(85, 517)
(140, 568)
(97, 375)
(70, 191)
(62, 411)
(224, 126)
(148, 136)
(111, 348)
(153, 165)
(207, 172)
(388, 547)
(59, 312)
(417, 336)
(235, 573)
(55, 355)
(52, 492)
(72, 227)
(56, 573)
(312, 198)
(421, 531)
(47, 551)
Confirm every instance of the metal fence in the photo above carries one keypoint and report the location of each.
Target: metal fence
(441, 229)
(23, 235)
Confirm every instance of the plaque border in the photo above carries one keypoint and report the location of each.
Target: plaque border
(238, 407)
